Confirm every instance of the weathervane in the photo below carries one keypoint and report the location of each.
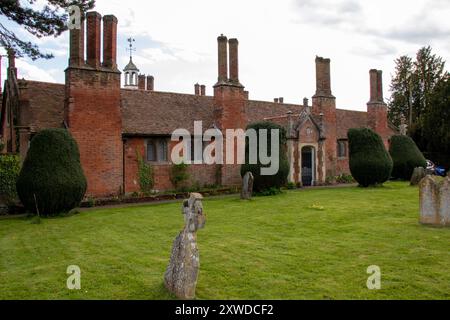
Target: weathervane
(131, 49)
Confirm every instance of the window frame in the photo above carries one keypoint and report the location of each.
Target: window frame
(157, 143)
(344, 143)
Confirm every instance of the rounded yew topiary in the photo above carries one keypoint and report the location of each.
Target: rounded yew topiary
(266, 182)
(406, 156)
(52, 180)
(370, 163)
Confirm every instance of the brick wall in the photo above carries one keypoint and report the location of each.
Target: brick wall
(94, 119)
(198, 174)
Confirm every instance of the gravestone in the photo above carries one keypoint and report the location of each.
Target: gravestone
(247, 186)
(182, 272)
(434, 201)
(444, 206)
(418, 174)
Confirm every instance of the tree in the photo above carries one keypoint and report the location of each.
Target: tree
(436, 126)
(49, 20)
(266, 182)
(399, 104)
(370, 163)
(51, 180)
(412, 87)
(406, 157)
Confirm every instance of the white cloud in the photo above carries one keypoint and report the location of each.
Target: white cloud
(176, 42)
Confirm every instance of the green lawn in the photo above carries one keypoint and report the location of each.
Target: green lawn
(276, 247)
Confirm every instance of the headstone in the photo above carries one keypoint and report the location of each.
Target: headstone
(418, 174)
(434, 201)
(444, 206)
(247, 186)
(182, 272)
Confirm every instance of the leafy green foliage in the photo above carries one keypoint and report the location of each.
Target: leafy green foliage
(9, 172)
(145, 174)
(436, 124)
(272, 191)
(179, 174)
(344, 178)
(52, 180)
(370, 163)
(264, 182)
(406, 156)
(412, 86)
(50, 20)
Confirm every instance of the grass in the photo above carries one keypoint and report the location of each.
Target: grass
(311, 244)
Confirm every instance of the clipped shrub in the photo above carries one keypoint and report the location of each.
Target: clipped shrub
(370, 163)
(179, 174)
(52, 180)
(267, 182)
(406, 156)
(9, 172)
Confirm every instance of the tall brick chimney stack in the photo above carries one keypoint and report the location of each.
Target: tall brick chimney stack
(229, 105)
(234, 61)
(202, 90)
(150, 83)
(110, 42)
(141, 82)
(197, 89)
(92, 104)
(76, 54)
(223, 59)
(94, 20)
(376, 108)
(324, 105)
(323, 81)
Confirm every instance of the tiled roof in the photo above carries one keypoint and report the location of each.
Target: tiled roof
(151, 112)
(347, 119)
(46, 107)
(160, 113)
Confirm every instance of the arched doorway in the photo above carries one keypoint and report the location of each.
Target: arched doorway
(308, 166)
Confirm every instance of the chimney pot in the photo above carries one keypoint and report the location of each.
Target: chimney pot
(323, 80)
(197, 89)
(76, 51)
(110, 42)
(234, 60)
(202, 90)
(222, 58)
(150, 83)
(281, 99)
(141, 82)
(275, 100)
(93, 38)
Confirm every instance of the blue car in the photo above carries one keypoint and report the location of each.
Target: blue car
(436, 170)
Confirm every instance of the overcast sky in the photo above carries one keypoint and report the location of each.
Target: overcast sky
(278, 41)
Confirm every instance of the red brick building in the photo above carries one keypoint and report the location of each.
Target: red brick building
(112, 125)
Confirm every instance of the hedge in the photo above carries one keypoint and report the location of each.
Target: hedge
(406, 156)
(266, 182)
(51, 179)
(370, 163)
